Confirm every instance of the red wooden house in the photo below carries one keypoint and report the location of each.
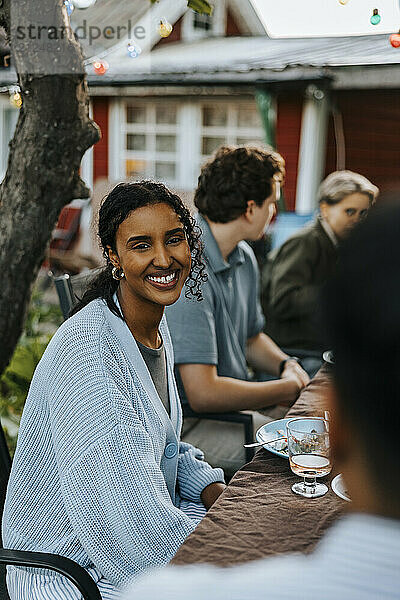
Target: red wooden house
(331, 102)
(326, 103)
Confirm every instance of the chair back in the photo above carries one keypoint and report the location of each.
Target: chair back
(5, 467)
(70, 288)
(286, 224)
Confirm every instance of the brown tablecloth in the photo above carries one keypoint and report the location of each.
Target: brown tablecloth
(258, 515)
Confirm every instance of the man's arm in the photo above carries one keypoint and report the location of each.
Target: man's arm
(263, 354)
(207, 392)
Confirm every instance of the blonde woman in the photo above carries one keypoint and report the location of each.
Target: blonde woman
(304, 262)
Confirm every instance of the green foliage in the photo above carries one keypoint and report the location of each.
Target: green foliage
(200, 6)
(42, 320)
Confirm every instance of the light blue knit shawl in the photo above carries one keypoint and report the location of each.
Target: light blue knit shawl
(90, 479)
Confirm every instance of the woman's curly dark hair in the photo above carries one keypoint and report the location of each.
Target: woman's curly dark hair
(115, 208)
(233, 176)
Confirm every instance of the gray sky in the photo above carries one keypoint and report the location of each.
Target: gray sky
(303, 18)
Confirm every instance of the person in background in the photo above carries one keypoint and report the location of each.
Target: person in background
(217, 339)
(99, 474)
(296, 271)
(359, 556)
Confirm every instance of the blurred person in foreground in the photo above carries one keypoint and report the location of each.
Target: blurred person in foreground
(216, 340)
(296, 271)
(359, 557)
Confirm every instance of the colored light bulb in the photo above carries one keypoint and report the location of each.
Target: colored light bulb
(69, 6)
(164, 28)
(395, 40)
(100, 67)
(16, 99)
(134, 50)
(376, 18)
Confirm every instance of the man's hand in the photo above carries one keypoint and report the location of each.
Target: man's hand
(294, 370)
(211, 493)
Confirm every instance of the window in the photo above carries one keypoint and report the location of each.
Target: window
(151, 140)
(202, 22)
(170, 140)
(196, 26)
(8, 121)
(229, 123)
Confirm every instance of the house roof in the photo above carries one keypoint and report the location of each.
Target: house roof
(244, 54)
(246, 59)
(252, 59)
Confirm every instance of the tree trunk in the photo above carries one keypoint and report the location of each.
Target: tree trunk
(52, 134)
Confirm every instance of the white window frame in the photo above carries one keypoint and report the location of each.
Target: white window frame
(87, 158)
(231, 131)
(4, 138)
(189, 132)
(150, 129)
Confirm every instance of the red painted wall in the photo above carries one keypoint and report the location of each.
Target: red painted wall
(232, 28)
(288, 140)
(371, 120)
(100, 158)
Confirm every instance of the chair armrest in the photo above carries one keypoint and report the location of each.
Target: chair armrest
(65, 566)
(227, 417)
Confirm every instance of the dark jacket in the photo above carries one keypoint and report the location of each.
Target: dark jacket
(295, 274)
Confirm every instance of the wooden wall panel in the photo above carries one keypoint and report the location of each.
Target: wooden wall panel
(232, 27)
(100, 156)
(371, 120)
(288, 140)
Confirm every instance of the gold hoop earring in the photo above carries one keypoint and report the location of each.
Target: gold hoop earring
(117, 273)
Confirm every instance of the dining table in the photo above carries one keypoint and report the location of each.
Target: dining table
(258, 515)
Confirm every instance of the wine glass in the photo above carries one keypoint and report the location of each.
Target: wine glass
(309, 454)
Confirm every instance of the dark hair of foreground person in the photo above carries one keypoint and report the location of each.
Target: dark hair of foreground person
(362, 313)
(115, 208)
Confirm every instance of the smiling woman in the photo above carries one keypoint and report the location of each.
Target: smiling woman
(114, 488)
(143, 225)
(152, 265)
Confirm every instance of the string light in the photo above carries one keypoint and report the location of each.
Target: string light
(15, 98)
(395, 40)
(134, 50)
(164, 28)
(376, 18)
(83, 3)
(69, 6)
(100, 67)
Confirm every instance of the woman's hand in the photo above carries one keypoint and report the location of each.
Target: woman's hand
(211, 493)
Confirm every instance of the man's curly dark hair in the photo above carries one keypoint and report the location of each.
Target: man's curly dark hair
(120, 202)
(233, 176)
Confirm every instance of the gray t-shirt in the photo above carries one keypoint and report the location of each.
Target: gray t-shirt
(215, 331)
(157, 366)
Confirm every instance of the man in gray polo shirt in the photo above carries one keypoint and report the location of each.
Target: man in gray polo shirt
(217, 338)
